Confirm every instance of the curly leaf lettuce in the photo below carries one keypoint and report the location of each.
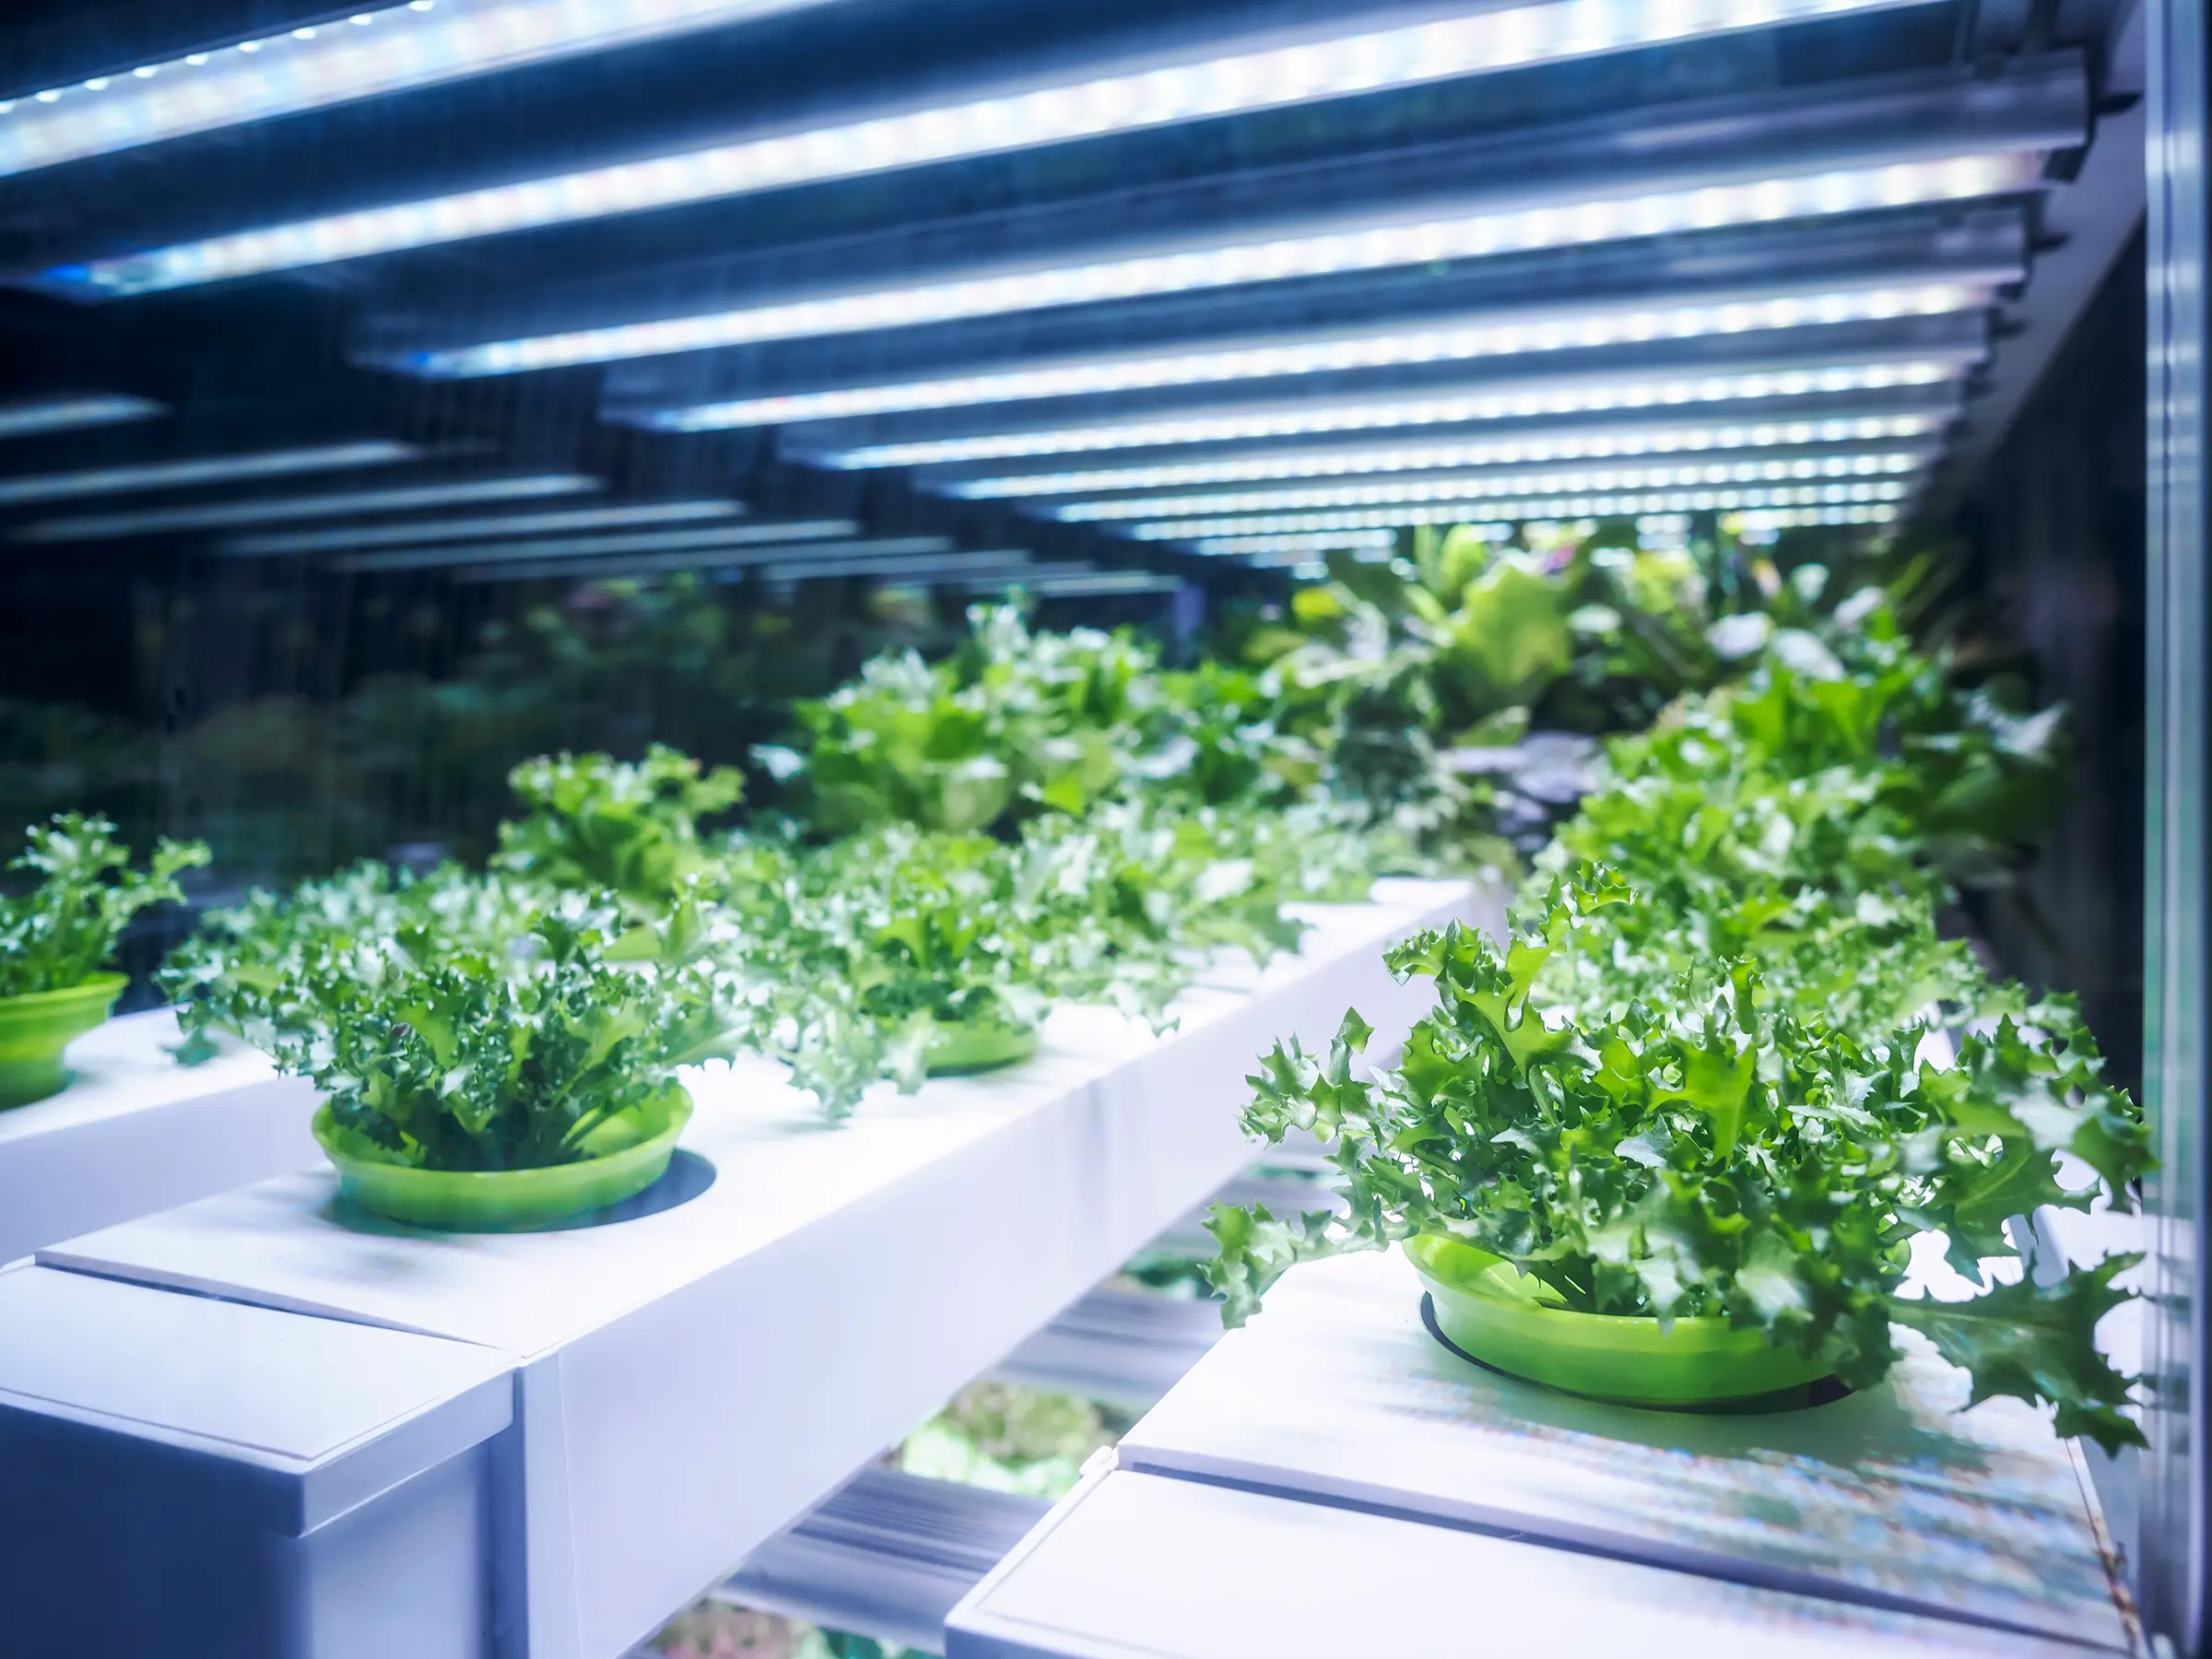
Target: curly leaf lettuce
(1708, 1155)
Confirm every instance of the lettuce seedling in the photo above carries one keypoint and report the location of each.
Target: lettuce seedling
(62, 932)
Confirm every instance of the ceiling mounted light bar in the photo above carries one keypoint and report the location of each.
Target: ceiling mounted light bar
(895, 568)
(385, 50)
(1792, 518)
(158, 521)
(594, 546)
(1217, 85)
(1549, 223)
(32, 416)
(650, 564)
(1507, 509)
(1462, 487)
(208, 469)
(1298, 544)
(1098, 584)
(1529, 449)
(1551, 329)
(482, 526)
(1529, 401)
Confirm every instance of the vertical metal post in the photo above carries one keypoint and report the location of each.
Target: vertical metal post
(2171, 1549)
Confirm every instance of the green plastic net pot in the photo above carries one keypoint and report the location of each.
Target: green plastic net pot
(1488, 1309)
(35, 1029)
(960, 1049)
(627, 1155)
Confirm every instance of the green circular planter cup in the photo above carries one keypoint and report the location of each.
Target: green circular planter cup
(961, 1049)
(627, 1155)
(1489, 1309)
(34, 1030)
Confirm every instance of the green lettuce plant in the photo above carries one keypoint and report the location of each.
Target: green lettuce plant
(457, 1023)
(65, 929)
(595, 822)
(1713, 1155)
(1018, 723)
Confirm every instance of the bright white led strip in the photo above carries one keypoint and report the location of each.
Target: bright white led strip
(1371, 414)
(1552, 331)
(1534, 450)
(482, 525)
(1480, 486)
(1600, 506)
(1792, 518)
(207, 469)
(1208, 88)
(417, 45)
(1551, 223)
(154, 521)
(36, 415)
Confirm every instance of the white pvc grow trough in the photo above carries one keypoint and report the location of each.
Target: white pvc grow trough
(135, 1133)
(1331, 1460)
(685, 1384)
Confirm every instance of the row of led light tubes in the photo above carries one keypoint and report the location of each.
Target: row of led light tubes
(1887, 491)
(1406, 409)
(1463, 487)
(1398, 348)
(1301, 545)
(1414, 456)
(309, 68)
(279, 464)
(1335, 251)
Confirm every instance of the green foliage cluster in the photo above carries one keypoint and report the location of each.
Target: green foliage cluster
(1006, 1438)
(459, 1021)
(1693, 1081)
(1018, 723)
(61, 931)
(857, 958)
(596, 823)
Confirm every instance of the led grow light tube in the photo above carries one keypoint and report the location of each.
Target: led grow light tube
(645, 564)
(1596, 506)
(914, 567)
(1553, 329)
(386, 50)
(207, 469)
(1300, 541)
(1369, 247)
(1368, 414)
(1790, 518)
(1097, 584)
(1462, 487)
(1606, 443)
(1220, 85)
(585, 546)
(489, 527)
(338, 504)
(33, 416)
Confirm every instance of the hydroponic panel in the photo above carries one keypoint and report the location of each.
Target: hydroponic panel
(1892, 1496)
